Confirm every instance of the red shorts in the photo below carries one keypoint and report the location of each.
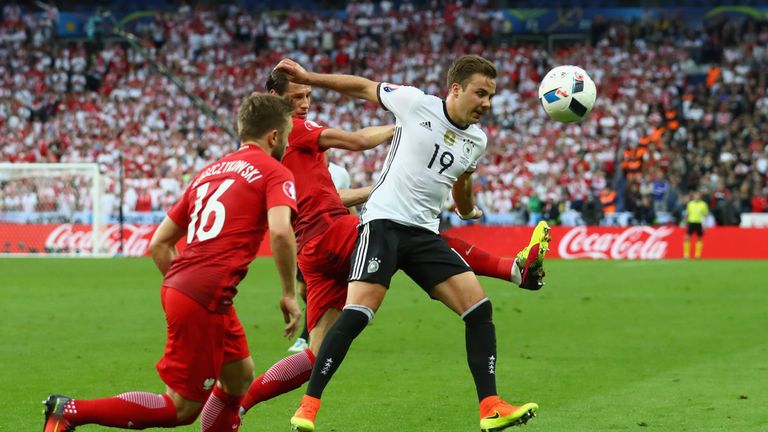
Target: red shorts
(324, 262)
(199, 343)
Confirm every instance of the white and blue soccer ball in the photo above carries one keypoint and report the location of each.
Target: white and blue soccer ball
(567, 94)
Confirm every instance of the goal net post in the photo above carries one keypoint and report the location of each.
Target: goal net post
(52, 209)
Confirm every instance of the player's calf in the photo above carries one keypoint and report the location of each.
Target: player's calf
(131, 410)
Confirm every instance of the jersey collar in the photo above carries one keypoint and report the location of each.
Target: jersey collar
(249, 146)
(445, 111)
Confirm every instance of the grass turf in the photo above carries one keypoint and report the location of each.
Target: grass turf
(606, 346)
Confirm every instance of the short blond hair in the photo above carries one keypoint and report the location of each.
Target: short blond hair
(260, 113)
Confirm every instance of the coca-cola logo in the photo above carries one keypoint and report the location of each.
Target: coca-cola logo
(640, 242)
(68, 238)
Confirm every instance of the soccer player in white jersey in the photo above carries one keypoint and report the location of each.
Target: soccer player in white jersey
(434, 151)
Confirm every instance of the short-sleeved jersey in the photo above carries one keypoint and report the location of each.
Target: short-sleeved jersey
(696, 211)
(428, 153)
(316, 195)
(224, 210)
(339, 176)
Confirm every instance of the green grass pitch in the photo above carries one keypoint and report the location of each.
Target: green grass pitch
(606, 346)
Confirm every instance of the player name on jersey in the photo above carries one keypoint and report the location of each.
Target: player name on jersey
(247, 171)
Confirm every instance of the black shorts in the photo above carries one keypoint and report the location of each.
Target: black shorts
(299, 276)
(695, 228)
(384, 246)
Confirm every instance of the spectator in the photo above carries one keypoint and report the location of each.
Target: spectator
(592, 211)
(74, 102)
(644, 213)
(659, 192)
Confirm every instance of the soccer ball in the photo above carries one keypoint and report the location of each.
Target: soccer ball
(567, 93)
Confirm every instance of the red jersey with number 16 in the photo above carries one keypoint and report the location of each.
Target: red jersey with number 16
(224, 210)
(318, 201)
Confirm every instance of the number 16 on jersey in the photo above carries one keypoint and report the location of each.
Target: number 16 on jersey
(212, 206)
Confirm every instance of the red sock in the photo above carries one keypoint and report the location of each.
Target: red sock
(134, 410)
(221, 412)
(287, 374)
(483, 263)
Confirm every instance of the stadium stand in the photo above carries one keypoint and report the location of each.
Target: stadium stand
(680, 107)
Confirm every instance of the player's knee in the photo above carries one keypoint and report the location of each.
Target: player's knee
(365, 310)
(247, 369)
(238, 379)
(480, 312)
(187, 412)
(246, 379)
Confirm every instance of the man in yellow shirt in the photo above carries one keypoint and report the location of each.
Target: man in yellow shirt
(696, 210)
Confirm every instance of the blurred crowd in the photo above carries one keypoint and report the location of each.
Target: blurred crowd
(680, 106)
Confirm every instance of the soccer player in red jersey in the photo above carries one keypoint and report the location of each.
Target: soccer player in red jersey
(325, 230)
(326, 234)
(224, 214)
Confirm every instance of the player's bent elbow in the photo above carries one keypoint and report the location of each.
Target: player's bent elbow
(158, 248)
(154, 247)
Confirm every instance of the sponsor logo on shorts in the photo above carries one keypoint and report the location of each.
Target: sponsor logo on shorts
(373, 265)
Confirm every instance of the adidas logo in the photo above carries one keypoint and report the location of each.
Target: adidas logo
(427, 125)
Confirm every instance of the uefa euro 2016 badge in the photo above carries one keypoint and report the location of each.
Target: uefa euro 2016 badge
(449, 138)
(373, 265)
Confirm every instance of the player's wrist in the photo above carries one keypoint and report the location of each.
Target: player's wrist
(312, 78)
(471, 215)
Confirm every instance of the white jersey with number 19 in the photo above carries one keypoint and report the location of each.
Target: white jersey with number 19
(428, 153)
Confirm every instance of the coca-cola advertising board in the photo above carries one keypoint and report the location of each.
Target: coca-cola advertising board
(621, 243)
(74, 239)
(629, 243)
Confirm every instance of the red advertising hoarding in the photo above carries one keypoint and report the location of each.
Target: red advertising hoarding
(629, 243)
(74, 239)
(621, 243)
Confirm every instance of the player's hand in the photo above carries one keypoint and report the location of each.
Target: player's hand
(476, 213)
(296, 73)
(291, 315)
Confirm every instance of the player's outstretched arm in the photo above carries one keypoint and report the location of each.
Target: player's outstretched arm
(162, 247)
(464, 197)
(350, 85)
(364, 139)
(283, 242)
(376, 135)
